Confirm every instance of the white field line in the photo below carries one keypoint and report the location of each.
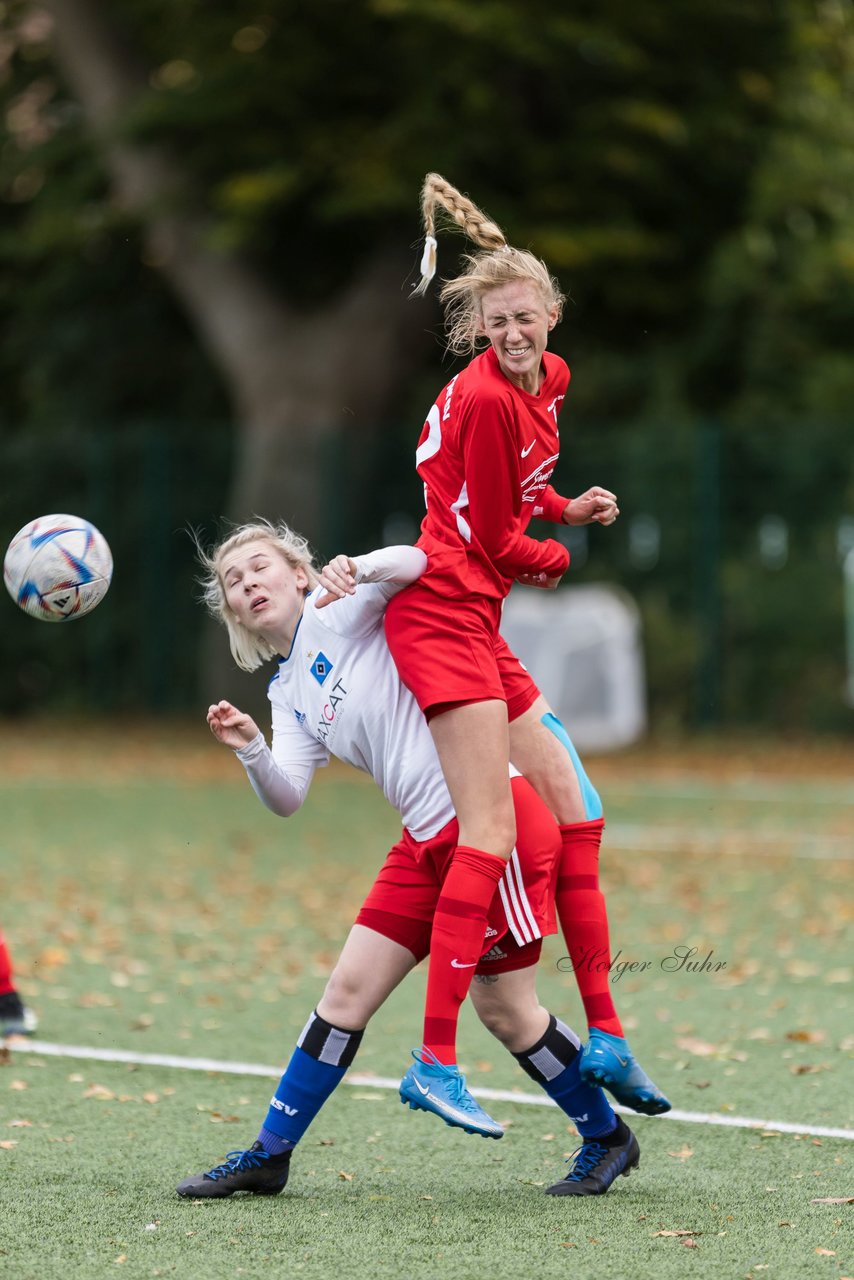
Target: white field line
(762, 844)
(42, 1048)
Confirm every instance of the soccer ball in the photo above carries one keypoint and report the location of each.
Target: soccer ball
(58, 568)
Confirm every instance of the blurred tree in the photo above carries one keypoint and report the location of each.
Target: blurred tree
(210, 212)
(291, 370)
(272, 163)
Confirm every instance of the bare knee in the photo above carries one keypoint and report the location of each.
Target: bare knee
(345, 1001)
(517, 1020)
(493, 832)
(553, 771)
(473, 744)
(498, 1020)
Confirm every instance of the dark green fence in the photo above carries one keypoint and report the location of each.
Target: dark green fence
(730, 540)
(143, 488)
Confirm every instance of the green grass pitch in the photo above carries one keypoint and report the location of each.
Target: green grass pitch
(153, 906)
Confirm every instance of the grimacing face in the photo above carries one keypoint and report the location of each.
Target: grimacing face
(517, 323)
(264, 593)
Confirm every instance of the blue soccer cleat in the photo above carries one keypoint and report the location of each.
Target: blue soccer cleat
(608, 1061)
(429, 1085)
(598, 1162)
(15, 1018)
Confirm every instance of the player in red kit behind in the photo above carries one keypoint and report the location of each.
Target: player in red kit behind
(15, 1018)
(486, 456)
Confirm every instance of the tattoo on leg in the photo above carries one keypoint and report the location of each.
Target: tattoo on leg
(486, 978)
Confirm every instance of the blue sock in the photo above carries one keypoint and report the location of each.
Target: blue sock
(317, 1066)
(554, 1063)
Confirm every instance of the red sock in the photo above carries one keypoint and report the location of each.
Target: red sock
(457, 943)
(6, 984)
(584, 921)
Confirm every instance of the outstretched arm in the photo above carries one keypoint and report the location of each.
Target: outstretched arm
(341, 575)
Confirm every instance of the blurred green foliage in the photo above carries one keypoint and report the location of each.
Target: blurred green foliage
(684, 166)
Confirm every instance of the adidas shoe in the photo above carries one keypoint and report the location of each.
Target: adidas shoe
(15, 1018)
(429, 1085)
(608, 1061)
(255, 1171)
(597, 1163)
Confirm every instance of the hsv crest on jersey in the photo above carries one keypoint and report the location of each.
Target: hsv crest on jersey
(320, 668)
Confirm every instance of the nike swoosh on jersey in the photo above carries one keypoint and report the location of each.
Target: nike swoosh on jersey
(525, 452)
(457, 964)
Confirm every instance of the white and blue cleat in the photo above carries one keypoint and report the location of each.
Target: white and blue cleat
(430, 1085)
(608, 1061)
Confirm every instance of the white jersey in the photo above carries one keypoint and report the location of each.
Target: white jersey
(338, 693)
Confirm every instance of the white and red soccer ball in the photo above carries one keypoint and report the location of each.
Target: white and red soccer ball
(58, 568)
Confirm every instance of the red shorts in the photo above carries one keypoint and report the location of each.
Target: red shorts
(401, 903)
(450, 651)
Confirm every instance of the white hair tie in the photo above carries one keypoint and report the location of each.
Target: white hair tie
(428, 264)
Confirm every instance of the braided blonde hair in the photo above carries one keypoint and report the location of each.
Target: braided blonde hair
(496, 264)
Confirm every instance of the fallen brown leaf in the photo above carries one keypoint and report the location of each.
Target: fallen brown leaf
(700, 1048)
(834, 1200)
(99, 1091)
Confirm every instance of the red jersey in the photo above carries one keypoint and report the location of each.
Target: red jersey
(485, 455)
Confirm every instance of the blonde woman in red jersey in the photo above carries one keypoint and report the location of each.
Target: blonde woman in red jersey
(486, 455)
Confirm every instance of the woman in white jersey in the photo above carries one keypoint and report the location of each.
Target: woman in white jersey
(337, 692)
